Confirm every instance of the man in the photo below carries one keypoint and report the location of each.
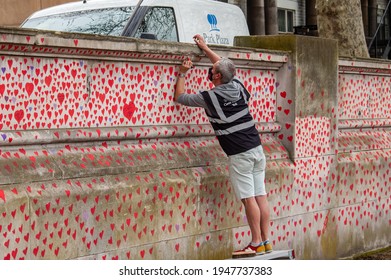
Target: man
(226, 106)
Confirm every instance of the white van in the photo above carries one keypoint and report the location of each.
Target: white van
(165, 20)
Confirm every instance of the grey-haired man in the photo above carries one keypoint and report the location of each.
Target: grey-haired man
(226, 106)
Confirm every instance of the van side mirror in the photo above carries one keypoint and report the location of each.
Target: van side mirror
(149, 36)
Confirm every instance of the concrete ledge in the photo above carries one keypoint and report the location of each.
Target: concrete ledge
(49, 43)
(51, 136)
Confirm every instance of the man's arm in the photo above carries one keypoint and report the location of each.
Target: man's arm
(199, 40)
(180, 83)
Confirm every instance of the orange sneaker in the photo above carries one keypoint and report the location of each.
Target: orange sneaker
(268, 246)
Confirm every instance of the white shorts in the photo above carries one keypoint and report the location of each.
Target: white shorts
(247, 173)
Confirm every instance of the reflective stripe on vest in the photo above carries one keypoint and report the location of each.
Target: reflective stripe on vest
(219, 111)
(234, 128)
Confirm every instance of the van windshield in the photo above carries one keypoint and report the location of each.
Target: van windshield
(111, 21)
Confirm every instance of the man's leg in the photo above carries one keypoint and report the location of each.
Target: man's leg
(263, 205)
(253, 214)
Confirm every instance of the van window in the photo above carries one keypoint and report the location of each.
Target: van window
(109, 21)
(161, 22)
